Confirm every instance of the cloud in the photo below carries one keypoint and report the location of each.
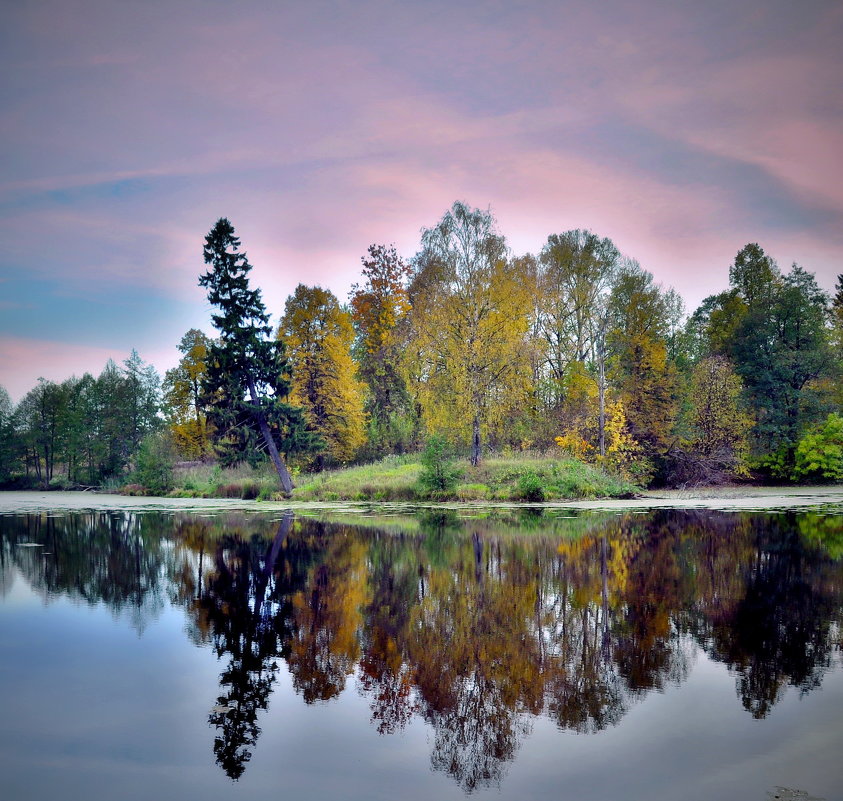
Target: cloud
(681, 130)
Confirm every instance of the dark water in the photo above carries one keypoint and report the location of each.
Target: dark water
(671, 655)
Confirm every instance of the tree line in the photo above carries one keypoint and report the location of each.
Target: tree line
(576, 348)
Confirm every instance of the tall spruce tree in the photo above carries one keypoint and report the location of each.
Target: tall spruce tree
(248, 376)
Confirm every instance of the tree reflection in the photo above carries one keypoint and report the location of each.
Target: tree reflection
(781, 631)
(475, 659)
(248, 631)
(467, 626)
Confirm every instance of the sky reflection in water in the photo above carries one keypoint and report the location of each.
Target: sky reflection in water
(697, 653)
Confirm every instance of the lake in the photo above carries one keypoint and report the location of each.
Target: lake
(558, 654)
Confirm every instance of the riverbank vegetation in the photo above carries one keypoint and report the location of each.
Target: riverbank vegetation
(575, 353)
(525, 477)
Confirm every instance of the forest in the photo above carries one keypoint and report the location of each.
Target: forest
(466, 349)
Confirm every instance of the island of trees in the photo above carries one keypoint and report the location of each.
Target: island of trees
(470, 350)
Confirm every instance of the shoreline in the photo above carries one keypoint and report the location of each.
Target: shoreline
(717, 498)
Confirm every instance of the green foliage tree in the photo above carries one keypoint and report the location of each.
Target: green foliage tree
(576, 273)
(141, 400)
(719, 422)
(717, 447)
(318, 335)
(247, 377)
(9, 444)
(754, 275)
(576, 268)
(781, 349)
(38, 417)
(643, 377)
(154, 462)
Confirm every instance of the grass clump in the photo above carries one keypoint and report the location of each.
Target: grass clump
(472, 492)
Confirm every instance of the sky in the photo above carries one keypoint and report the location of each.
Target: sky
(682, 130)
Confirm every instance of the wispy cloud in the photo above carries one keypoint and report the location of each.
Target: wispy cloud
(682, 130)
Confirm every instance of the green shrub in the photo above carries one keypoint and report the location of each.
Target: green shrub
(154, 463)
(438, 474)
(249, 490)
(819, 454)
(529, 488)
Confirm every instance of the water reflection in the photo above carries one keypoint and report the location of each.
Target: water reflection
(470, 625)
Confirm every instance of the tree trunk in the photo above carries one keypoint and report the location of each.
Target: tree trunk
(475, 442)
(280, 467)
(601, 390)
(262, 583)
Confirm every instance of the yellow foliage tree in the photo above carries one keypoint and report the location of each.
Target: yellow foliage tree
(578, 412)
(318, 335)
(182, 396)
(721, 427)
(469, 323)
(624, 454)
(378, 307)
(641, 373)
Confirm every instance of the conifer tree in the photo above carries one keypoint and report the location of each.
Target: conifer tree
(247, 377)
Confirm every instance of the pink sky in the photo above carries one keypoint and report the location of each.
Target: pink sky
(681, 130)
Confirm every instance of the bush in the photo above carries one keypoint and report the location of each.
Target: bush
(249, 490)
(819, 454)
(530, 488)
(154, 463)
(438, 474)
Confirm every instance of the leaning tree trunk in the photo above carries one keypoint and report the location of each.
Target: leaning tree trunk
(280, 467)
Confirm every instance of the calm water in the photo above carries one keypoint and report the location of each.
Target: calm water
(669, 655)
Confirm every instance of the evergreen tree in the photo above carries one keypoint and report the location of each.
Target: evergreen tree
(781, 349)
(247, 377)
(9, 442)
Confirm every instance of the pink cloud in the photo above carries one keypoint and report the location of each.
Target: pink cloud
(24, 361)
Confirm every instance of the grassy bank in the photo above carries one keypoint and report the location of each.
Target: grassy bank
(521, 478)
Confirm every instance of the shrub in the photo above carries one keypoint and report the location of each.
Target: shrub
(438, 474)
(249, 490)
(154, 463)
(819, 454)
(530, 488)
